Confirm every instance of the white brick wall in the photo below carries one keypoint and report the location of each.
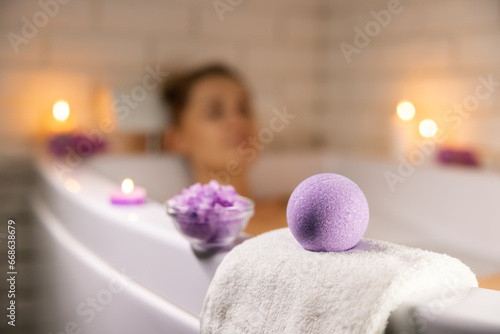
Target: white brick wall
(95, 49)
(91, 42)
(189, 52)
(480, 50)
(431, 53)
(145, 17)
(74, 14)
(238, 25)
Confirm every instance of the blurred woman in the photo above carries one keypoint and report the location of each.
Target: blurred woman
(211, 119)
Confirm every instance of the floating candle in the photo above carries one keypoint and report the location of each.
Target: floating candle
(128, 194)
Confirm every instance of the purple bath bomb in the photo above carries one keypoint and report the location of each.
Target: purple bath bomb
(327, 213)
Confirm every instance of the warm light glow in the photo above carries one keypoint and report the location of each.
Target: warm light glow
(61, 111)
(127, 186)
(405, 110)
(133, 216)
(428, 128)
(72, 185)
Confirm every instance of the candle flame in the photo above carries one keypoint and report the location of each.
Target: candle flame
(72, 185)
(60, 111)
(428, 128)
(405, 110)
(127, 186)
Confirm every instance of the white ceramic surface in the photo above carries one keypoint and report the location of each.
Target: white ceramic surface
(448, 210)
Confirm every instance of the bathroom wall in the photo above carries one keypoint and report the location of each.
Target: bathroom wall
(89, 44)
(17, 178)
(429, 52)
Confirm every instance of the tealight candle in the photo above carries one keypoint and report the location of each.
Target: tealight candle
(128, 194)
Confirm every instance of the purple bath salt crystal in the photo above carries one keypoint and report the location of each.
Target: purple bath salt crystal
(202, 210)
(229, 228)
(327, 212)
(191, 226)
(207, 195)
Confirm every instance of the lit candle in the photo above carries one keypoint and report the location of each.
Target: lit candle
(128, 194)
(428, 128)
(61, 120)
(60, 111)
(403, 129)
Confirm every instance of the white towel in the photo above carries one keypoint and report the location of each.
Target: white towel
(270, 284)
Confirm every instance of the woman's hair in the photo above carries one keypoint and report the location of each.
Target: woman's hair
(176, 91)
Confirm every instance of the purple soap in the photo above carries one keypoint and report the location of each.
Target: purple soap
(327, 213)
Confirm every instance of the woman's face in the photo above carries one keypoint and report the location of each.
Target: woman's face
(217, 119)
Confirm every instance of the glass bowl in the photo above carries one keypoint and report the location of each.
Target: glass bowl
(214, 230)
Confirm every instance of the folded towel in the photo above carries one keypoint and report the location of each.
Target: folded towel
(270, 284)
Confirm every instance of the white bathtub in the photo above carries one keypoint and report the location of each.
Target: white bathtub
(88, 243)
